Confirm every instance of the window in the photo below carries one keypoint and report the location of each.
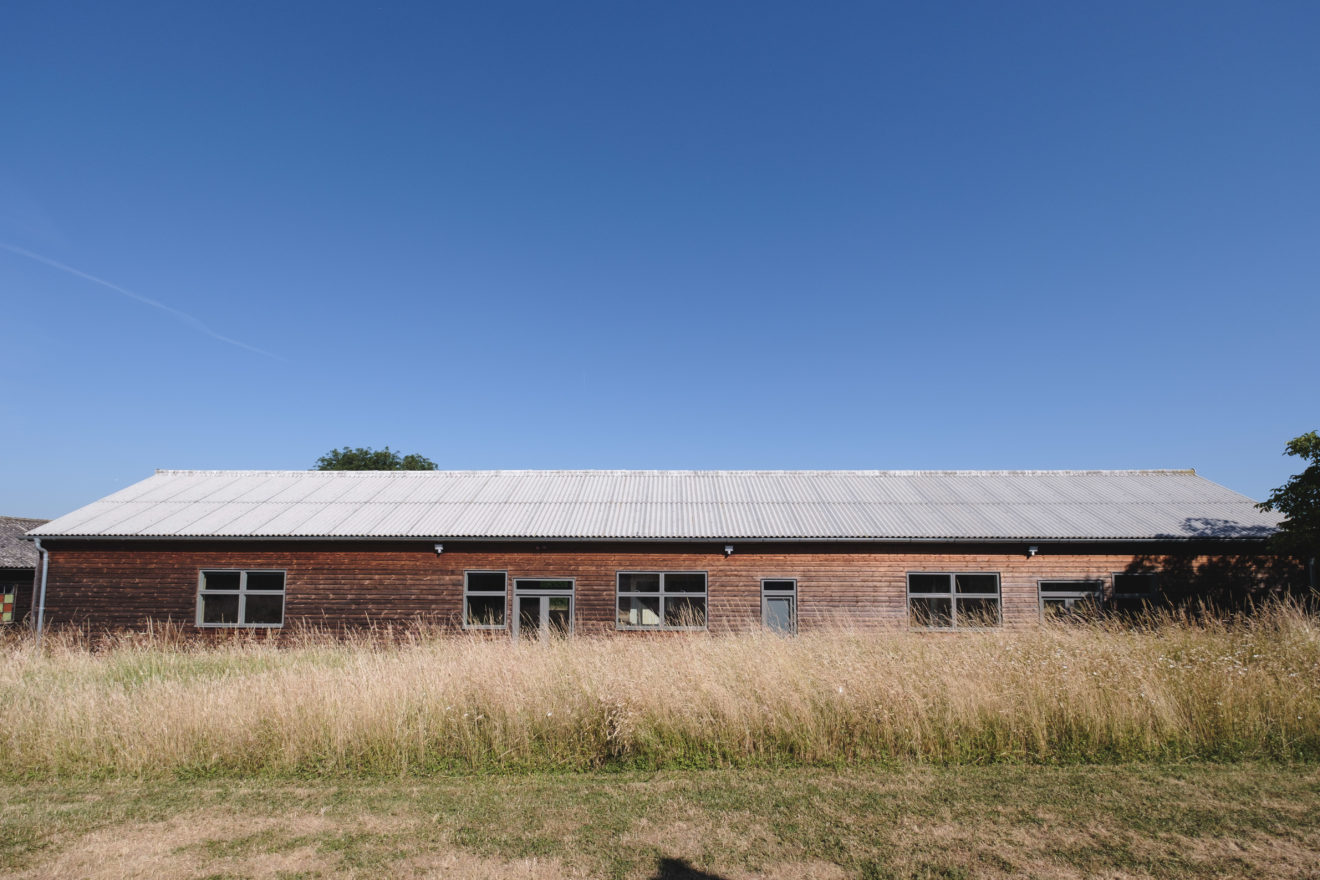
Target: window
(484, 599)
(662, 600)
(953, 600)
(240, 598)
(779, 605)
(7, 607)
(1133, 592)
(1069, 599)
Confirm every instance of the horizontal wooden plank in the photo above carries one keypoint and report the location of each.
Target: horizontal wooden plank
(125, 584)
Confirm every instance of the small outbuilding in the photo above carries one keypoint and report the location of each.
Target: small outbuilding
(18, 565)
(534, 553)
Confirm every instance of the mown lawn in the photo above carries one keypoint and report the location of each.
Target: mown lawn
(1197, 820)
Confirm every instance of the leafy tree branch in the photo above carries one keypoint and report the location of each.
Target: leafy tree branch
(364, 458)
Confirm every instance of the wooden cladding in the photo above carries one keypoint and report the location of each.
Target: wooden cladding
(125, 584)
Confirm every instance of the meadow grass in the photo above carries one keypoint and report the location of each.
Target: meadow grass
(414, 702)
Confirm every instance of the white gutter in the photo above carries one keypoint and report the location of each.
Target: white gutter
(45, 570)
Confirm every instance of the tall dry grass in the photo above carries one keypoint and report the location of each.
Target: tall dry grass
(418, 702)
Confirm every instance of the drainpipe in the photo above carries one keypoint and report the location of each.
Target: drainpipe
(45, 570)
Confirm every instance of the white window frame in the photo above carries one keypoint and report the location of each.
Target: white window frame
(953, 596)
(242, 593)
(504, 593)
(1086, 588)
(662, 595)
(781, 594)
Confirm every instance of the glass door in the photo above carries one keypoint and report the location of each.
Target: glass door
(544, 608)
(779, 605)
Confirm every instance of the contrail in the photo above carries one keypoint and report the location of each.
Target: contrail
(182, 316)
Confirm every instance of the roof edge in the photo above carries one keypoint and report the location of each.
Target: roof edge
(661, 473)
(586, 539)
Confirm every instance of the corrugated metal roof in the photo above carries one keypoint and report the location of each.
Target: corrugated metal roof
(662, 505)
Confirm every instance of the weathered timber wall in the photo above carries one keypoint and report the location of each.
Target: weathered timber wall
(19, 582)
(336, 584)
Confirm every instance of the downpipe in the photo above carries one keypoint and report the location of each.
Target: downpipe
(45, 570)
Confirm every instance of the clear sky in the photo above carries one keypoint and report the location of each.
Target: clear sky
(656, 235)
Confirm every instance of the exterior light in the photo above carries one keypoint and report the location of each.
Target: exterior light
(728, 549)
(439, 548)
(1032, 550)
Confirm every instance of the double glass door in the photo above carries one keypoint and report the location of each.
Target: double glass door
(543, 608)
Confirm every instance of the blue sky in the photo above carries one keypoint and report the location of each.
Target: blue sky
(680, 235)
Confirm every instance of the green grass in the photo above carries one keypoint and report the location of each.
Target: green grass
(1199, 820)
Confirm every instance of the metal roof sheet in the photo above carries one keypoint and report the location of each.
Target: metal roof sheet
(663, 505)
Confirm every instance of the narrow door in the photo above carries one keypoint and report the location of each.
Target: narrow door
(779, 605)
(544, 608)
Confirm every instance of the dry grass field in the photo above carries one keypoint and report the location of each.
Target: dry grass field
(411, 702)
(1173, 748)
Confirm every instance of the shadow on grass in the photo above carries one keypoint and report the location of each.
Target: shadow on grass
(680, 869)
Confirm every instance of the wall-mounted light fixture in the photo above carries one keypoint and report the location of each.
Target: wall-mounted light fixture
(1032, 551)
(439, 548)
(728, 549)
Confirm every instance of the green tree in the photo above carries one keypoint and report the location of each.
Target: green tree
(1299, 501)
(364, 458)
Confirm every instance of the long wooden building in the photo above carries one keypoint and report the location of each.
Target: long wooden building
(539, 552)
